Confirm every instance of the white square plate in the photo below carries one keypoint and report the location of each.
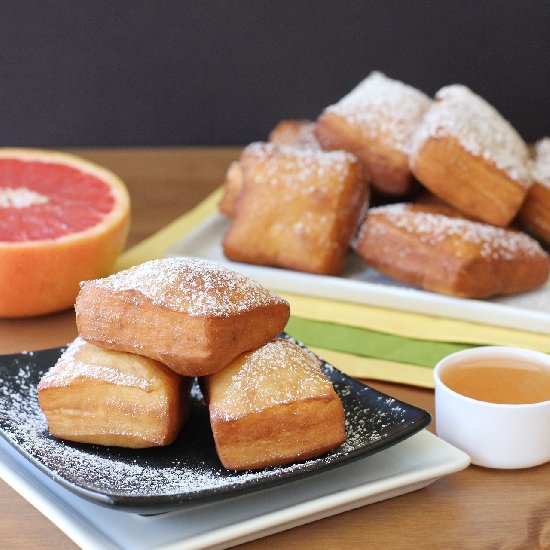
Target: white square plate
(405, 467)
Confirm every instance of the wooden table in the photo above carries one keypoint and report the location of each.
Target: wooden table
(476, 508)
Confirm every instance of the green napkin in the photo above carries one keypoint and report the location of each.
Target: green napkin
(369, 343)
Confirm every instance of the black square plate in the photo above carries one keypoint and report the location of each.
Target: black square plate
(187, 472)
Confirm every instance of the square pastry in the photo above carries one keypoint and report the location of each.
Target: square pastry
(467, 154)
(291, 133)
(296, 133)
(232, 187)
(534, 214)
(299, 208)
(273, 406)
(94, 395)
(376, 122)
(435, 248)
(192, 315)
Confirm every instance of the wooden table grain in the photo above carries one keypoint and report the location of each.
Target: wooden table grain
(475, 508)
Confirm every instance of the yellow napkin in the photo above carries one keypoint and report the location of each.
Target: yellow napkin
(157, 245)
(377, 369)
(408, 325)
(414, 325)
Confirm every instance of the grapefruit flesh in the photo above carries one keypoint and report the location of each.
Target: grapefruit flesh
(62, 220)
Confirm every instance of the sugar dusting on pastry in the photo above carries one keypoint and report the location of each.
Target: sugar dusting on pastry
(295, 133)
(191, 285)
(459, 113)
(307, 172)
(384, 109)
(431, 228)
(304, 137)
(277, 373)
(69, 368)
(541, 163)
(295, 167)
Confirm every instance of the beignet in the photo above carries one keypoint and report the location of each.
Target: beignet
(468, 155)
(422, 246)
(376, 122)
(291, 133)
(299, 208)
(190, 314)
(534, 214)
(295, 133)
(232, 187)
(93, 395)
(273, 406)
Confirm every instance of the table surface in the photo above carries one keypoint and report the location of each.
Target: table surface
(475, 508)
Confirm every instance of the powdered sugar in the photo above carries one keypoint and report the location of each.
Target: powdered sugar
(295, 133)
(541, 163)
(431, 228)
(278, 373)
(320, 177)
(303, 170)
(384, 109)
(461, 114)
(188, 469)
(191, 285)
(70, 367)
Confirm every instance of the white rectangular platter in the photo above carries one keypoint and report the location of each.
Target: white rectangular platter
(405, 467)
(528, 311)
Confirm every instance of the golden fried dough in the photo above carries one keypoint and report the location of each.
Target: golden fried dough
(290, 133)
(93, 395)
(376, 122)
(295, 133)
(468, 155)
(232, 187)
(424, 246)
(299, 208)
(190, 314)
(534, 214)
(273, 406)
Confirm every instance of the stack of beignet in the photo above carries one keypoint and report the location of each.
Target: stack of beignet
(457, 147)
(146, 332)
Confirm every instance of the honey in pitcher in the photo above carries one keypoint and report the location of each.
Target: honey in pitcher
(505, 381)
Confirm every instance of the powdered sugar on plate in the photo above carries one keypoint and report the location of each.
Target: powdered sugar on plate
(187, 472)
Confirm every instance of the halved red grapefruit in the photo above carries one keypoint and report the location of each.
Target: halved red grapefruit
(62, 220)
